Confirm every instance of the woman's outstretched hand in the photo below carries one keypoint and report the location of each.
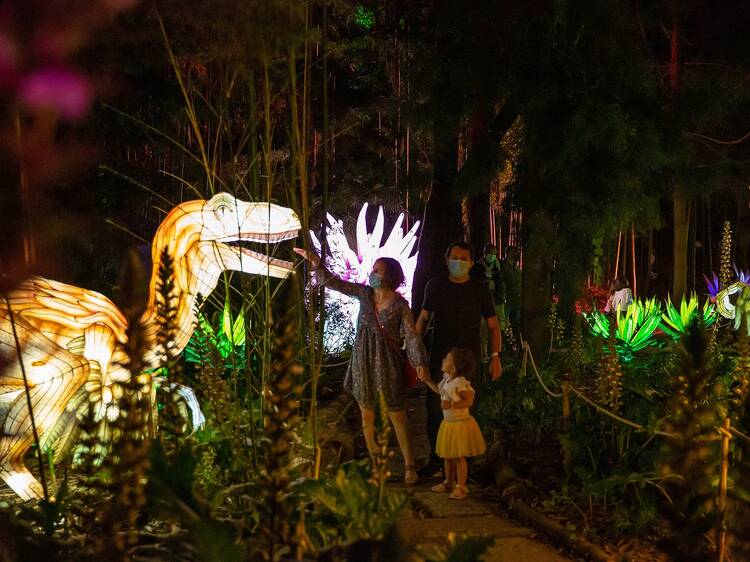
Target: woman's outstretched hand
(422, 373)
(312, 257)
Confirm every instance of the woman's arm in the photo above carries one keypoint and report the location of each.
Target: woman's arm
(330, 280)
(415, 349)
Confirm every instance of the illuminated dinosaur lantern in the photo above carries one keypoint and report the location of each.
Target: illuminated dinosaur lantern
(71, 340)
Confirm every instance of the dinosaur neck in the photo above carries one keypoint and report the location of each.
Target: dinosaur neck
(184, 323)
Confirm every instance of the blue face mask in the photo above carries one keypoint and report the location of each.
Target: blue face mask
(374, 280)
(458, 268)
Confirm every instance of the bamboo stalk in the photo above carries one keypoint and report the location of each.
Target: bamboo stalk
(617, 255)
(632, 252)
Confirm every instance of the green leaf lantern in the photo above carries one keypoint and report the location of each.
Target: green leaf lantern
(674, 322)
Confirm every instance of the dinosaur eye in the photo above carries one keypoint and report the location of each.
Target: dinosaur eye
(222, 210)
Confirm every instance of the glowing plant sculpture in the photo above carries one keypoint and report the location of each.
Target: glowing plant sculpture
(72, 341)
(724, 303)
(738, 311)
(634, 327)
(227, 339)
(712, 285)
(674, 322)
(355, 266)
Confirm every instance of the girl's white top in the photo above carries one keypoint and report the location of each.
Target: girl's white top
(449, 390)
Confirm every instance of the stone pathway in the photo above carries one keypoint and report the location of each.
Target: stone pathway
(432, 516)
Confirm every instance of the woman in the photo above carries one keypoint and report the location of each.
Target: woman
(376, 365)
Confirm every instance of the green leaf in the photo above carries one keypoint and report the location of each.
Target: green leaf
(238, 329)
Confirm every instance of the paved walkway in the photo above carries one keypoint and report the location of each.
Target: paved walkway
(432, 516)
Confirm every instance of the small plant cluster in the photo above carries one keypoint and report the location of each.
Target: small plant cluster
(635, 328)
(608, 389)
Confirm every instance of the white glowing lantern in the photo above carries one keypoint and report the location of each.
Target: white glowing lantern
(356, 265)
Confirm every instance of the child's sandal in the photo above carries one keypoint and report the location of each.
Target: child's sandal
(459, 492)
(442, 487)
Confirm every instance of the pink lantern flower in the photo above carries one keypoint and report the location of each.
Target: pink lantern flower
(62, 90)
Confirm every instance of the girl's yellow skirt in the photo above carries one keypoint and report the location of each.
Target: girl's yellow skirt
(459, 438)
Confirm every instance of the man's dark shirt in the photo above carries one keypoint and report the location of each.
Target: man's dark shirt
(458, 309)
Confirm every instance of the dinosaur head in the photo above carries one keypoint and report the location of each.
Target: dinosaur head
(207, 237)
(228, 222)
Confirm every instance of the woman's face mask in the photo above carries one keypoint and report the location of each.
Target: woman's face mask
(491, 258)
(458, 268)
(375, 280)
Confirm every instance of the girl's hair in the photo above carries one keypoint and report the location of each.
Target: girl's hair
(620, 283)
(463, 359)
(394, 274)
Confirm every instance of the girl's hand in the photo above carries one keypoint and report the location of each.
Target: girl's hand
(422, 373)
(312, 257)
(445, 404)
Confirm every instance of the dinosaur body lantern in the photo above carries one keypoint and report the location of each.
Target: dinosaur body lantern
(71, 340)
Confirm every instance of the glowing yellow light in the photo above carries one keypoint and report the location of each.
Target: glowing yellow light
(72, 341)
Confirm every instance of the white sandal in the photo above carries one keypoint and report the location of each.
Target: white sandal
(459, 492)
(441, 488)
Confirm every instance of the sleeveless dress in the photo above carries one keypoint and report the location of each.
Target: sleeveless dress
(459, 434)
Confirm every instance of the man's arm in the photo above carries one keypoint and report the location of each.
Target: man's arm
(496, 367)
(422, 321)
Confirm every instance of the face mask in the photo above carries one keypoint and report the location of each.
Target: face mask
(375, 280)
(458, 268)
(491, 258)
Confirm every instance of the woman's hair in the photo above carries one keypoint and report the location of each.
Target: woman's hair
(394, 274)
(463, 359)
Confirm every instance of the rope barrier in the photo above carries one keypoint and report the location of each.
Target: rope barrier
(738, 433)
(614, 416)
(589, 401)
(527, 353)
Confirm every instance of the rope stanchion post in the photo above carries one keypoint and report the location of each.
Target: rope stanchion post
(565, 431)
(721, 542)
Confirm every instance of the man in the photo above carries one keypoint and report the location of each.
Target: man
(457, 303)
(488, 270)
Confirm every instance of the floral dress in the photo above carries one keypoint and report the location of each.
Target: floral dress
(376, 363)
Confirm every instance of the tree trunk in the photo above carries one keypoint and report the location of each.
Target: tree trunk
(535, 289)
(441, 222)
(479, 222)
(441, 225)
(680, 248)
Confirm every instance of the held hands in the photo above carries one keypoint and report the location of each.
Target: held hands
(446, 404)
(312, 257)
(422, 373)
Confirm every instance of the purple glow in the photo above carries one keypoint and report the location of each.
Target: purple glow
(355, 265)
(712, 284)
(742, 275)
(60, 89)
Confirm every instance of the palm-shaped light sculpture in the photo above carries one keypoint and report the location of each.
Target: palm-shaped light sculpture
(355, 265)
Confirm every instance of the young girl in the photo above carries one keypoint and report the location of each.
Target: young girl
(459, 435)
